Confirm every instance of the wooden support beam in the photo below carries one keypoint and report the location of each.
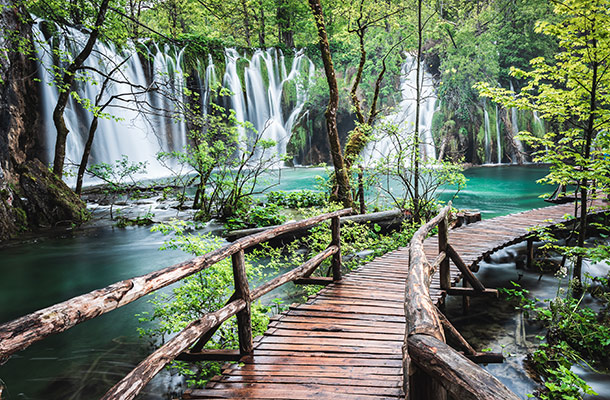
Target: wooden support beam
(335, 226)
(530, 253)
(322, 280)
(453, 333)
(210, 355)
(466, 291)
(466, 272)
(437, 262)
(443, 234)
(486, 358)
(242, 291)
(465, 299)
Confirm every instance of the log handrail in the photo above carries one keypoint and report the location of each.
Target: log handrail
(20, 333)
(424, 342)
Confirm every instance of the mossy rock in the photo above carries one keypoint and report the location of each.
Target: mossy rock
(49, 201)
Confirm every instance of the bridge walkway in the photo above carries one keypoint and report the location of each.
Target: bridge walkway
(345, 342)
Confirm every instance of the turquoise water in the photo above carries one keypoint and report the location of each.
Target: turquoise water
(87, 360)
(494, 190)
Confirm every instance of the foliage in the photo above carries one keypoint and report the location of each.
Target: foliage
(297, 199)
(257, 216)
(572, 91)
(229, 158)
(575, 334)
(199, 294)
(395, 172)
(120, 177)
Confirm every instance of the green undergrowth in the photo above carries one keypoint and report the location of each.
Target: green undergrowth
(576, 334)
(208, 290)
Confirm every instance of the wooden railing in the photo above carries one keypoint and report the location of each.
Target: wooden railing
(21, 333)
(433, 367)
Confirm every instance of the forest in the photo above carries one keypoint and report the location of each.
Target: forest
(209, 129)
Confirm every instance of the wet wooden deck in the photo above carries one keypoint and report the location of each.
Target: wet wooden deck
(345, 342)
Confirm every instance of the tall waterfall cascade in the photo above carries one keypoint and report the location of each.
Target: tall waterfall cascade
(487, 135)
(403, 119)
(515, 124)
(498, 136)
(144, 115)
(260, 102)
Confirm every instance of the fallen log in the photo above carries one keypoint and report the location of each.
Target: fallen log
(387, 220)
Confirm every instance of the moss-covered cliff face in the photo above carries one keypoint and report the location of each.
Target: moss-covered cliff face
(25, 203)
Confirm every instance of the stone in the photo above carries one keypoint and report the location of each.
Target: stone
(50, 202)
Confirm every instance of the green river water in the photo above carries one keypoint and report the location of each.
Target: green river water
(85, 361)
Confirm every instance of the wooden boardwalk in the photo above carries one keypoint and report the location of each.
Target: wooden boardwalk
(345, 342)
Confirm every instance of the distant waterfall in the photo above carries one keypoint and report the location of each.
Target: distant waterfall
(128, 129)
(404, 117)
(265, 80)
(487, 137)
(539, 122)
(498, 138)
(515, 124)
(145, 116)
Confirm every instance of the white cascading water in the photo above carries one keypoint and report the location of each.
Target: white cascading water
(141, 131)
(137, 132)
(515, 123)
(498, 139)
(487, 135)
(538, 121)
(262, 104)
(404, 118)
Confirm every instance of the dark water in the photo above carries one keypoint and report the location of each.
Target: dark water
(85, 361)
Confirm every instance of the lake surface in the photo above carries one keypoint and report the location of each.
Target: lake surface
(87, 360)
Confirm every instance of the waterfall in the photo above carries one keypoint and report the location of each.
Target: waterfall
(498, 138)
(145, 116)
(265, 79)
(138, 123)
(487, 138)
(404, 117)
(538, 122)
(515, 124)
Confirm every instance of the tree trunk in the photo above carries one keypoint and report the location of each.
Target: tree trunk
(85, 159)
(584, 184)
(64, 91)
(416, 210)
(341, 192)
(284, 22)
(246, 15)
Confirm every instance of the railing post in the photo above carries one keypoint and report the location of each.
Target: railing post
(242, 291)
(442, 247)
(335, 227)
(530, 253)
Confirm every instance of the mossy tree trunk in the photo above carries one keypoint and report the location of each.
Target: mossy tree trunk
(341, 191)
